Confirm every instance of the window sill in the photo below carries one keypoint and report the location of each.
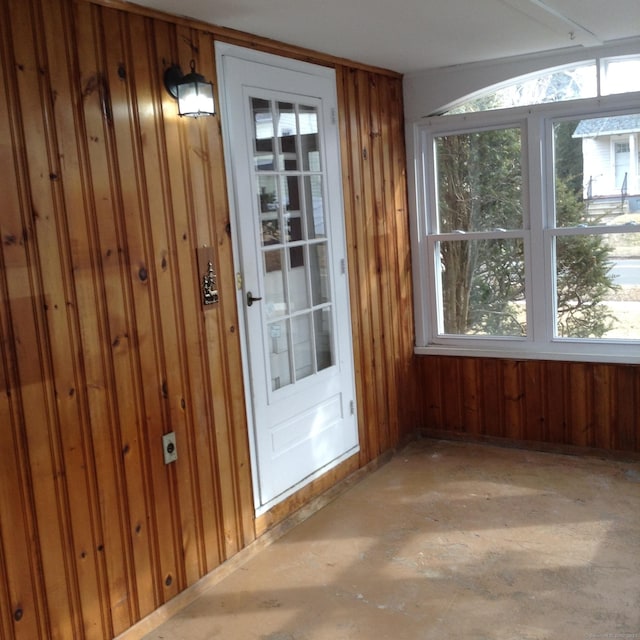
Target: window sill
(621, 354)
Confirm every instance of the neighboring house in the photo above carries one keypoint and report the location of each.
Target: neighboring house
(611, 153)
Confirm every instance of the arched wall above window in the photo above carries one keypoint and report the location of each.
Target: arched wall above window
(570, 82)
(600, 77)
(430, 92)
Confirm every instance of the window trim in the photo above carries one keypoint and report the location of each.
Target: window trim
(538, 228)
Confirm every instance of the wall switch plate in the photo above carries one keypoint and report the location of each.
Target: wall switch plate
(169, 447)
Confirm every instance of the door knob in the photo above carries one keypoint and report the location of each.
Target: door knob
(251, 299)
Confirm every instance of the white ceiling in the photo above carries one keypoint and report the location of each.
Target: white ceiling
(413, 35)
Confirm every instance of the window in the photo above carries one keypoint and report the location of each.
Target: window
(620, 74)
(552, 85)
(528, 242)
(478, 239)
(597, 289)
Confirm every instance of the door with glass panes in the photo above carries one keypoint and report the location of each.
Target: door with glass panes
(284, 148)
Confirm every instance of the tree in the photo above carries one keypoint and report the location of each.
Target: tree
(483, 280)
(480, 189)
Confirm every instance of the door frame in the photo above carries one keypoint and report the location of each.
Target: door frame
(222, 50)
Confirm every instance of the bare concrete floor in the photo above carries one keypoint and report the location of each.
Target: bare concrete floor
(448, 540)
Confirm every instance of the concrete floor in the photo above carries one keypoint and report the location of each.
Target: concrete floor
(446, 541)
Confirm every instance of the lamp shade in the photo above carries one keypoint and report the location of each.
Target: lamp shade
(195, 96)
(193, 92)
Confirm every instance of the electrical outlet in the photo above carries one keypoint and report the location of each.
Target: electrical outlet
(169, 447)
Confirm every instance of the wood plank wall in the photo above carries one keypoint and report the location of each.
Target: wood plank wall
(374, 175)
(558, 404)
(105, 196)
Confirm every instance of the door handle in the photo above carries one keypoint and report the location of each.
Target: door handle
(251, 299)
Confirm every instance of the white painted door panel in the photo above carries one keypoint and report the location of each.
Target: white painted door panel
(283, 152)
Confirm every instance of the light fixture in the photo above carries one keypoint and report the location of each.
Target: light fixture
(193, 93)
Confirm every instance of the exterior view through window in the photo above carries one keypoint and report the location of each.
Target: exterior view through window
(480, 249)
(532, 216)
(597, 227)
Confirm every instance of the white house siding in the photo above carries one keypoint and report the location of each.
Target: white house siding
(598, 167)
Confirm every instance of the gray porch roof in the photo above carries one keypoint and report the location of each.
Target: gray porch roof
(608, 126)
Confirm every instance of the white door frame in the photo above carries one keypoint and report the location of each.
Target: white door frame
(221, 50)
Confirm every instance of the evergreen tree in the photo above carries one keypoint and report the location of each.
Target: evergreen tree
(479, 189)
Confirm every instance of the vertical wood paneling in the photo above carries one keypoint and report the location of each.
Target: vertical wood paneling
(108, 385)
(627, 408)
(385, 178)
(106, 196)
(556, 424)
(471, 394)
(580, 404)
(86, 525)
(399, 298)
(552, 403)
(492, 395)
(510, 384)
(42, 354)
(381, 228)
(451, 399)
(602, 406)
(357, 224)
(192, 228)
(130, 339)
(534, 401)
(143, 283)
(429, 382)
(225, 370)
(377, 236)
(22, 606)
(198, 527)
(379, 429)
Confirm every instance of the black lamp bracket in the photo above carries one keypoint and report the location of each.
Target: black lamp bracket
(173, 76)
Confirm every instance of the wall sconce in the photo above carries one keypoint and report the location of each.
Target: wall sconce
(193, 93)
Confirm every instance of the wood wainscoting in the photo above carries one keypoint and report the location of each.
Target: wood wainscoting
(105, 197)
(559, 405)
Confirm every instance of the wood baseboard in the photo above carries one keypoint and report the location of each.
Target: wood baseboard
(546, 447)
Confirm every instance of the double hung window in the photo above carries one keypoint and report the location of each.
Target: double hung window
(528, 234)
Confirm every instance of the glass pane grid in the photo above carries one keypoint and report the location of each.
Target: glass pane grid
(596, 240)
(596, 166)
(279, 359)
(479, 258)
(620, 74)
(481, 287)
(479, 181)
(597, 283)
(289, 179)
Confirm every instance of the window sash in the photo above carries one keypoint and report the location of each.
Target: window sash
(538, 235)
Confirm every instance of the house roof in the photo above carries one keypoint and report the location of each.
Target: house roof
(611, 125)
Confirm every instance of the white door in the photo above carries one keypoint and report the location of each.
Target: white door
(283, 155)
(622, 157)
